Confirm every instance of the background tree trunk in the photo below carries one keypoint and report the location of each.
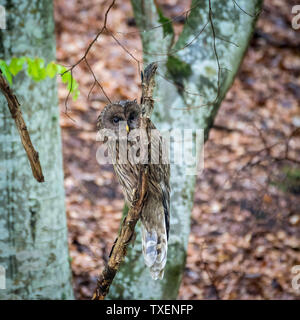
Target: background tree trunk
(195, 69)
(33, 234)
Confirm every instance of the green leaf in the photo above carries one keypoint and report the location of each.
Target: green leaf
(72, 84)
(32, 69)
(66, 77)
(16, 65)
(36, 69)
(5, 70)
(60, 69)
(51, 69)
(75, 95)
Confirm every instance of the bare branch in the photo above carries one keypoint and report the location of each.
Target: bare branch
(84, 57)
(120, 246)
(16, 113)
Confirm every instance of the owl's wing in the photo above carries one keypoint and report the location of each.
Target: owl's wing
(160, 173)
(155, 216)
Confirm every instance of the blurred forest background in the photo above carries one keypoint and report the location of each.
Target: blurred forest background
(245, 223)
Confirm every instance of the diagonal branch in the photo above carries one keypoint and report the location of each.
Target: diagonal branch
(119, 249)
(16, 113)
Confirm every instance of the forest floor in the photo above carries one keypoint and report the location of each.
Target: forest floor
(245, 235)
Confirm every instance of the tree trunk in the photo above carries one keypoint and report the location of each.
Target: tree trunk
(195, 70)
(33, 232)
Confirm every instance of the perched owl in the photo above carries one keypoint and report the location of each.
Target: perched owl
(155, 214)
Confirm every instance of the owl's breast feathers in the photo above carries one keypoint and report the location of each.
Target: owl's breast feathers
(158, 172)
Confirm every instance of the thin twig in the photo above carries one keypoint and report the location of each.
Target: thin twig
(84, 57)
(105, 29)
(16, 113)
(210, 16)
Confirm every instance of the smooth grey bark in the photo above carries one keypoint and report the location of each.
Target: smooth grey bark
(33, 232)
(195, 69)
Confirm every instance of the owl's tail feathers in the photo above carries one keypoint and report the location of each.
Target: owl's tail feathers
(155, 246)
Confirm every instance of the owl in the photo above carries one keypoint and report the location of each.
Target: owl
(155, 213)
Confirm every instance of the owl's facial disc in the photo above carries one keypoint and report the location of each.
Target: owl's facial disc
(116, 120)
(112, 116)
(132, 113)
(123, 113)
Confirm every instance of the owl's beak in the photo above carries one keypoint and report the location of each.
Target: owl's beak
(127, 128)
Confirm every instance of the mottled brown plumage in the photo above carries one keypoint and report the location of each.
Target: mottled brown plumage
(155, 214)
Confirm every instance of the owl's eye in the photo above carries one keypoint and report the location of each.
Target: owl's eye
(132, 116)
(116, 119)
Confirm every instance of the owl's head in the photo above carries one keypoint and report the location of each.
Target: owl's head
(126, 111)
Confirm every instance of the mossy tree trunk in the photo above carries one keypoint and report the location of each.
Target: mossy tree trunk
(33, 233)
(194, 69)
